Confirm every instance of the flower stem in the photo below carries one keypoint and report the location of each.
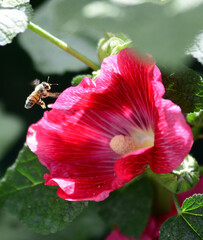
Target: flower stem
(175, 199)
(62, 45)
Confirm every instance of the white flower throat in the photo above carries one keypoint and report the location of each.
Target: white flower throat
(138, 139)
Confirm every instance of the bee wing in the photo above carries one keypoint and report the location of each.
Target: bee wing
(35, 82)
(53, 95)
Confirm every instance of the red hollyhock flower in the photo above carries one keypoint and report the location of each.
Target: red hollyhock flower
(152, 229)
(99, 135)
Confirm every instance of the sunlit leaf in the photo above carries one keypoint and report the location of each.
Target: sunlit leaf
(196, 50)
(135, 2)
(163, 30)
(14, 18)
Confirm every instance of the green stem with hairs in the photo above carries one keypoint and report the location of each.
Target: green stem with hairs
(175, 199)
(64, 46)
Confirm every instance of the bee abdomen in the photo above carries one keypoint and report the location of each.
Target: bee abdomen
(31, 100)
(29, 103)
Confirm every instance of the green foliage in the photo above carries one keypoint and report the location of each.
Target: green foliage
(129, 207)
(24, 195)
(196, 120)
(188, 224)
(14, 18)
(184, 87)
(26, 173)
(163, 30)
(135, 2)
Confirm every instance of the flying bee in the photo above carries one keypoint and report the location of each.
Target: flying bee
(41, 91)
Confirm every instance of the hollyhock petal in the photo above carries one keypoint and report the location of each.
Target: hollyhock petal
(79, 97)
(76, 97)
(89, 172)
(101, 134)
(173, 138)
(117, 235)
(79, 189)
(139, 69)
(133, 164)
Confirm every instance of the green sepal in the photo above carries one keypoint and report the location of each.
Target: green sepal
(181, 179)
(77, 79)
(112, 44)
(195, 118)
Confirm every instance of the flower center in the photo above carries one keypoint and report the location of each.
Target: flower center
(138, 139)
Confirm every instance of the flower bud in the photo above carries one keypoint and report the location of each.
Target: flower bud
(95, 74)
(112, 44)
(181, 179)
(77, 79)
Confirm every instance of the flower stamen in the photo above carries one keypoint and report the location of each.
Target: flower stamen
(125, 144)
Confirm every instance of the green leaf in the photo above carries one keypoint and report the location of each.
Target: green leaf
(25, 196)
(196, 120)
(135, 2)
(184, 87)
(14, 18)
(188, 224)
(165, 31)
(192, 203)
(62, 19)
(196, 50)
(129, 208)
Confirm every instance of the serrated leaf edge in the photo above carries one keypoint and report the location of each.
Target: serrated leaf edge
(186, 209)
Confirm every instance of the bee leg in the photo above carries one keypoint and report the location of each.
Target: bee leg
(41, 103)
(45, 94)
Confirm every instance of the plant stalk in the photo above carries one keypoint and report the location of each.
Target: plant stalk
(64, 46)
(175, 199)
